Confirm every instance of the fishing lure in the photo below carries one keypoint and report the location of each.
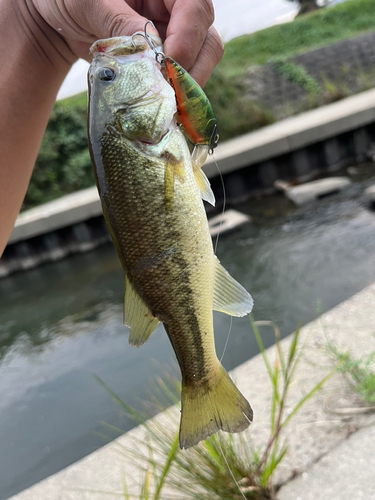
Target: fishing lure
(194, 111)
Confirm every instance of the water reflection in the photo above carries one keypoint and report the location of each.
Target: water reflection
(32, 303)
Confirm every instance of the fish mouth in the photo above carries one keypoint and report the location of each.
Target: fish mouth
(123, 45)
(149, 142)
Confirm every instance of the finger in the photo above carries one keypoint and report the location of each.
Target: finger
(103, 19)
(208, 57)
(187, 29)
(162, 29)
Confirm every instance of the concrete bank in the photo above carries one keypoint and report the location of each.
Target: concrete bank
(298, 132)
(326, 451)
(301, 148)
(49, 217)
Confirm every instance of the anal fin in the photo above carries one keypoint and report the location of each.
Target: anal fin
(137, 316)
(229, 296)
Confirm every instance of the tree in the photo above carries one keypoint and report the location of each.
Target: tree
(306, 6)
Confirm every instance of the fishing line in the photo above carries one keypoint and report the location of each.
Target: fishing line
(217, 241)
(226, 343)
(231, 319)
(230, 471)
(224, 203)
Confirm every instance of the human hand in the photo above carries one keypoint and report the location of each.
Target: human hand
(185, 25)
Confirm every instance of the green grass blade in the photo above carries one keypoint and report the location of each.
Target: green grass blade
(151, 460)
(113, 428)
(293, 347)
(167, 466)
(275, 403)
(276, 331)
(102, 436)
(211, 446)
(124, 487)
(318, 386)
(167, 391)
(261, 347)
(133, 413)
(296, 359)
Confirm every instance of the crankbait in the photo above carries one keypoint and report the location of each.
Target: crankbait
(194, 111)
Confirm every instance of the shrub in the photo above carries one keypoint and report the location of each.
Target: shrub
(63, 164)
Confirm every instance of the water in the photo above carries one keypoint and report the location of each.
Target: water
(61, 324)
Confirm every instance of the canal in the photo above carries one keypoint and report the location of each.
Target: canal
(61, 325)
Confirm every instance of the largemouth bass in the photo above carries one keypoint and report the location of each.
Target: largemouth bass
(151, 195)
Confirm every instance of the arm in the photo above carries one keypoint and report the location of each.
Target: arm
(32, 72)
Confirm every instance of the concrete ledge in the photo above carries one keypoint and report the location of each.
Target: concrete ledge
(294, 133)
(283, 137)
(314, 190)
(369, 197)
(338, 479)
(227, 221)
(313, 434)
(70, 209)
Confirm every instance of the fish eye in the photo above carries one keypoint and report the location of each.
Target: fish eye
(216, 139)
(106, 74)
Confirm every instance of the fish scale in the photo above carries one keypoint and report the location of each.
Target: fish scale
(133, 216)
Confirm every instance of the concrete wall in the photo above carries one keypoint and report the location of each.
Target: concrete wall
(300, 148)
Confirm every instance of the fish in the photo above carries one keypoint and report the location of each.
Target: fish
(151, 197)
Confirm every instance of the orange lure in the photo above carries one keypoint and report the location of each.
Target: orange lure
(194, 111)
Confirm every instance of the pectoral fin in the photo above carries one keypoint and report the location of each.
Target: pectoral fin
(198, 157)
(199, 154)
(173, 167)
(229, 296)
(204, 185)
(137, 316)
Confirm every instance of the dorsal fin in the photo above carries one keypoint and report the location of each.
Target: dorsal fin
(229, 296)
(137, 316)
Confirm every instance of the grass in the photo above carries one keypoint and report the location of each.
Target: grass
(78, 100)
(359, 373)
(235, 113)
(297, 73)
(224, 466)
(320, 28)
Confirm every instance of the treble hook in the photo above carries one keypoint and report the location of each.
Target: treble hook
(159, 56)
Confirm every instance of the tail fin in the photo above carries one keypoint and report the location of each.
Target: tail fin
(207, 409)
